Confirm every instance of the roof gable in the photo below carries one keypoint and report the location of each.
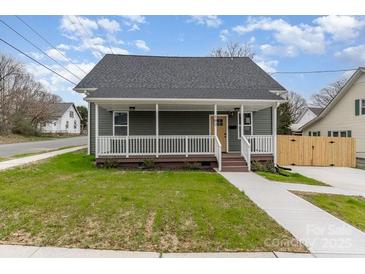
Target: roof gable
(58, 109)
(350, 82)
(131, 76)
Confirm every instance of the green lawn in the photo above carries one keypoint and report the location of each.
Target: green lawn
(291, 177)
(66, 201)
(351, 209)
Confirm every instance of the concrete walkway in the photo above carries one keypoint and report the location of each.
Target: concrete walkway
(19, 251)
(352, 179)
(8, 150)
(31, 159)
(323, 234)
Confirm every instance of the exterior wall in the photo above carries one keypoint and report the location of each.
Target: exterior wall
(262, 121)
(342, 117)
(177, 123)
(60, 126)
(92, 128)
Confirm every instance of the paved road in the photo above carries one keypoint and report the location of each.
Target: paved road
(352, 179)
(30, 147)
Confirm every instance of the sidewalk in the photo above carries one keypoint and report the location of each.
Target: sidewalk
(34, 158)
(19, 251)
(322, 233)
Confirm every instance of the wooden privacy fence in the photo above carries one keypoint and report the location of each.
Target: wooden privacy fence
(316, 151)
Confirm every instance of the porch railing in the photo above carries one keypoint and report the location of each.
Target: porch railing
(153, 145)
(246, 151)
(218, 152)
(261, 144)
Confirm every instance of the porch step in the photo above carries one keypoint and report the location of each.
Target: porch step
(235, 169)
(233, 163)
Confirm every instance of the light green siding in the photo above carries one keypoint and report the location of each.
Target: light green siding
(177, 123)
(262, 122)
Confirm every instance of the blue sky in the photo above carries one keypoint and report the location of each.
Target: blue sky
(281, 43)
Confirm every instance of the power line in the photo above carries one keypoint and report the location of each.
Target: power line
(38, 48)
(30, 57)
(312, 71)
(84, 29)
(49, 43)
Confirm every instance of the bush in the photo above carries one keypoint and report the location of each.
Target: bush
(24, 127)
(193, 166)
(148, 164)
(267, 166)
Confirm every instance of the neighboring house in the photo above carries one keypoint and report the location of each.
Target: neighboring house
(165, 108)
(308, 114)
(345, 114)
(65, 119)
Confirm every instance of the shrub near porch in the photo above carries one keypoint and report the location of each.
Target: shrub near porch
(68, 202)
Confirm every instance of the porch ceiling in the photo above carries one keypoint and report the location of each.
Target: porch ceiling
(125, 106)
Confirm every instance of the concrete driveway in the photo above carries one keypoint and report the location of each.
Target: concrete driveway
(8, 150)
(352, 179)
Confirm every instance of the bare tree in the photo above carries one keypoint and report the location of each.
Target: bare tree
(297, 104)
(234, 49)
(23, 101)
(326, 95)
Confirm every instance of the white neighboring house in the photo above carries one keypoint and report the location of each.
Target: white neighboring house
(344, 116)
(65, 119)
(307, 115)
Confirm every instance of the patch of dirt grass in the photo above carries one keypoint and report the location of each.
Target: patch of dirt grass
(66, 201)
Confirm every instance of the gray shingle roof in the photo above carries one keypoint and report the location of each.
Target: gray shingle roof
(316, 110)
(58, 109)
(131, 76)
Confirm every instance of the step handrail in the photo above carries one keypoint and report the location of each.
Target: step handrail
(218, 152)
(246, 151)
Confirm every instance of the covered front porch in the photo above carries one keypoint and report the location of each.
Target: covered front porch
(179, 130)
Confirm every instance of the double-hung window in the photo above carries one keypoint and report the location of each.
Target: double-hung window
(247, 124)
(363, 106)
(71, 114)
(120, 120)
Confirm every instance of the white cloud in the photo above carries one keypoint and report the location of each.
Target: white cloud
(63, 47)
(267, 65)
(78, 25)
(55, 54)
(133, 21)
(211, 21)
(355, 55)
(223, 35)
(293, 38)
(83, 29)
(340, 27)
(110, 26)
(137, 19)
(141, 45)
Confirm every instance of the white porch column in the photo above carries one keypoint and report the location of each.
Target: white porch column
(157, 131)
(274, 130)
(242, 122)
(88, 128)
(96, 129)
(215, 120)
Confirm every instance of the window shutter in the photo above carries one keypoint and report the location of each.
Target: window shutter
(357, 107)
(310, 133)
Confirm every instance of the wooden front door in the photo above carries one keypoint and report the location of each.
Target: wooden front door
(221, 130)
